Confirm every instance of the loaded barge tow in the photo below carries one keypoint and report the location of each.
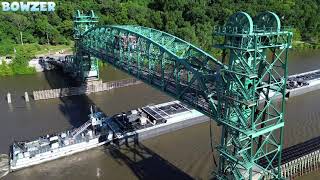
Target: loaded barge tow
(298, 84)
(141, 123)
(302, 83)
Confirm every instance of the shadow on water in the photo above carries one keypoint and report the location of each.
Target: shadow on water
(74, 108)
(142, 161)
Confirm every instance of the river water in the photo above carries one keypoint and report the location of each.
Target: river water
(184, 154)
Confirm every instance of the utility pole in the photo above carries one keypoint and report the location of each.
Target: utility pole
(15, 52)
(48, 40)
(21, 38)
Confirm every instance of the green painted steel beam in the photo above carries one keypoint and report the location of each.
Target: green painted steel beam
(234, 92)
(149, 55)
(251, 73)
(85, 66)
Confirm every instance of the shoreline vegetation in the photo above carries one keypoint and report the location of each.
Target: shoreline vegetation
(192, 21)
(21, 56)
(24, 53)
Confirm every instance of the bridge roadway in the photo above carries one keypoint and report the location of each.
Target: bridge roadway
(191, 97)
(297, 84)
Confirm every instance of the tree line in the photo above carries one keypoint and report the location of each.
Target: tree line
(191, 20)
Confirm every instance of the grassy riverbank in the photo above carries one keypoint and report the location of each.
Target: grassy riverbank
(302, 45)
(10, 70)
(33, 49)
(19, 63)
(20, 56)
(24, 53)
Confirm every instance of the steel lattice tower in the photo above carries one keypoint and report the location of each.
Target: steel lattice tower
(244, 92)
(251, 104)
(85, 65)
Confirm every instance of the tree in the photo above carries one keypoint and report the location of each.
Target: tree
(21, 22)
(189, 19)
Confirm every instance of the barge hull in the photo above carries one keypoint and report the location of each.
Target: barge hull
(58, 156)
(170, 117)
(127, 139)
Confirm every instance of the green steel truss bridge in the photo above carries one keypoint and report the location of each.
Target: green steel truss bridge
(238, 91)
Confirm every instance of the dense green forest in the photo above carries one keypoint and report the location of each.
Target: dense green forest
(192, 20)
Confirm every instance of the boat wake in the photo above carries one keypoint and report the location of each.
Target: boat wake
(4, 165)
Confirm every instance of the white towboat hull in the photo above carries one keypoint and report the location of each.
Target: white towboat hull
(56, 154)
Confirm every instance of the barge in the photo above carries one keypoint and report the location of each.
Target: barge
(303, 83)
(141, 123)
(297, 84)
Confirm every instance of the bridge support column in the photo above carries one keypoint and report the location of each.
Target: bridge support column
(86, 66)
(252, 120)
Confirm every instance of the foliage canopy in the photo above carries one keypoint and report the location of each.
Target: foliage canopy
(188, 19)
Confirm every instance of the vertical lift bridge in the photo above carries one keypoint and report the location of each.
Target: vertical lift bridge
(239, 91)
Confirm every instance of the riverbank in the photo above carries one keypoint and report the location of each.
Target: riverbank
(30, 51)
(301, 45)
(16, 62)
(36, 49)
(10, 70)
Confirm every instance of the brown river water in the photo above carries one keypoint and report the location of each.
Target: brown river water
(183, 154)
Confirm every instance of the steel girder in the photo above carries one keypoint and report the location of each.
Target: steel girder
(160, 59)
(251, 116)
(85, 67)
(240, 93)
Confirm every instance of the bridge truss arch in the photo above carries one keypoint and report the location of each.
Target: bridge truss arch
(167, 62)
(240, 92)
